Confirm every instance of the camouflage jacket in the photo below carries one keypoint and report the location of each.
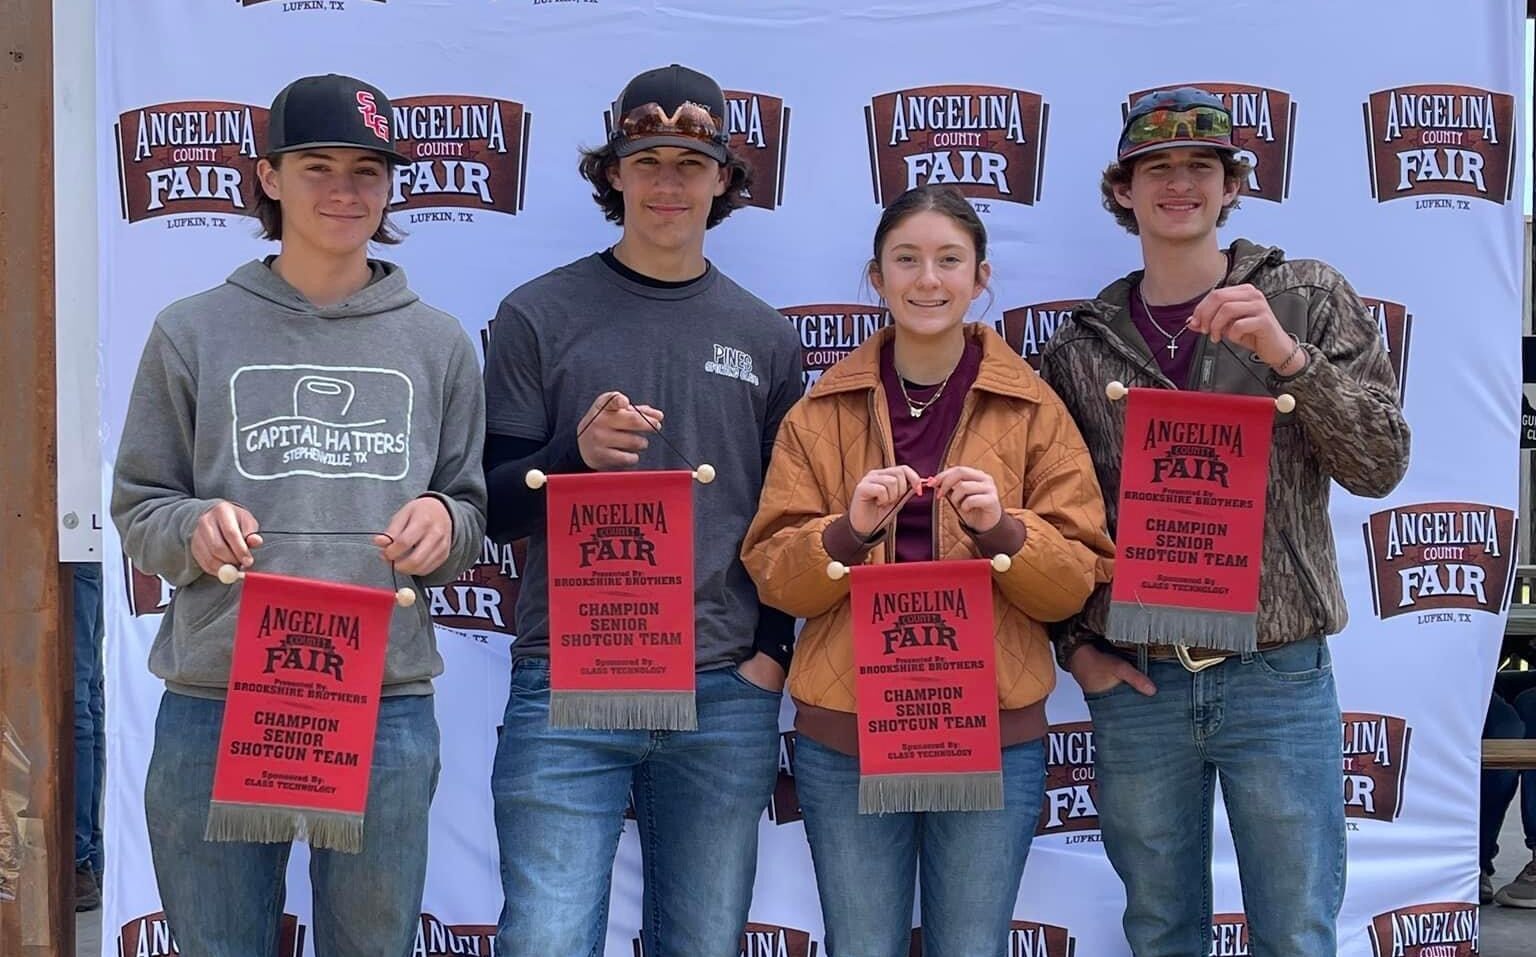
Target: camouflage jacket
(1347, 426)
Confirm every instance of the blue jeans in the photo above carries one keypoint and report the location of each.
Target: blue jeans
(560, 801)
(1508, 717)
(1268, 725)
(90, 715)
(971, 861)
(224, 899)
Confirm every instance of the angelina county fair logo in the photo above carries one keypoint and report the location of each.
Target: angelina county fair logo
(1229, 935)
(987, 140)
(1375, 765)
(830, 331)
(435, 938)
(484, 597)
(147, 594)
(1069, 804)
(1441, 560)
(1444, 929)
(1026, 938)
(1442, 144)
(1263, 130)
(784, 803)
(759, 128)
(763, 940)
(1028, 328)
(150, 936)
(1395, 323)
(189, 157)
(468, 154)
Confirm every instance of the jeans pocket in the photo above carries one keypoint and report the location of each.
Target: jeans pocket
(1305, 660)
(754, 686)
(530, 678)
(1113, 689)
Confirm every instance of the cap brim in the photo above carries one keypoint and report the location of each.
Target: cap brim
(631, 146)
(1161, 145)
(392, 155)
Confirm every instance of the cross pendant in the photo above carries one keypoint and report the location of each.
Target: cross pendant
(1173, 349)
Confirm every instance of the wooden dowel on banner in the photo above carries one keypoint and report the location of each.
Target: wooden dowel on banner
(229, 574)
(1116, 390)
(837, 571)
(536, 478)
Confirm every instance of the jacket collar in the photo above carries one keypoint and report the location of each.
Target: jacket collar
(1247, 258)
(1002, 370)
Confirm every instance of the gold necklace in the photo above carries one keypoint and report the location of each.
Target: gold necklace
(914, 410)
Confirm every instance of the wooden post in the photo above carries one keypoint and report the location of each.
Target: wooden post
(36, 649)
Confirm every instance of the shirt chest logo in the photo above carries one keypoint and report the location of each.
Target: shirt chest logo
(732, 363)
(321, 421)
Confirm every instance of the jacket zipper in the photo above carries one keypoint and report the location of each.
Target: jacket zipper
(1306, 577)
(966, 409)
(888, 456)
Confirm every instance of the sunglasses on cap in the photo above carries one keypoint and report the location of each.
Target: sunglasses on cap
(1201, 122)
(689, 120)
(1186, 116)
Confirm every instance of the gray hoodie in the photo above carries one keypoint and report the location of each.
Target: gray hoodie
(313, 419)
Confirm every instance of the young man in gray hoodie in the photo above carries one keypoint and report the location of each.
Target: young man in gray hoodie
(309, 416)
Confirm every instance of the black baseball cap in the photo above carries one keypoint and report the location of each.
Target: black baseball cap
(332, 110)
(656, 105)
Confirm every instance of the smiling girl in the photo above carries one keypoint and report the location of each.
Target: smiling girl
(932, 397)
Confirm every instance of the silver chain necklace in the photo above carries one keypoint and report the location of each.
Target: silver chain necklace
(1173, 339)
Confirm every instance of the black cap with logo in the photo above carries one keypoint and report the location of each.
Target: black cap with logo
(671, 106)
(332, 110)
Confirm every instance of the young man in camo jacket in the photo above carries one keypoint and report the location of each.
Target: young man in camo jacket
(1169, 719)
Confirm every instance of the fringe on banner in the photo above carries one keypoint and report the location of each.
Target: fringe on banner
(1138, 624)
(907, 793)
(623, 710)
(262, 824)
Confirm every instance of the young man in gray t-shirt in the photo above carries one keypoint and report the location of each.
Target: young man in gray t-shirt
(646, 330)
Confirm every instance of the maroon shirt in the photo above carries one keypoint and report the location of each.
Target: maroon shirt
(920, 443)
(1171, 319)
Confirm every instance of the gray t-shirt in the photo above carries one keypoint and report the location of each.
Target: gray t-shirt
(721, 365)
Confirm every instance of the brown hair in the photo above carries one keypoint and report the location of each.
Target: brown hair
(595, 164)
(1234, 170)
(944, 199)
(269, 212)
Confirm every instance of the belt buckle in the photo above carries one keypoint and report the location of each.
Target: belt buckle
(1191, 665)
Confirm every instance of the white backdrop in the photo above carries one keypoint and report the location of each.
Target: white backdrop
(1440, 261)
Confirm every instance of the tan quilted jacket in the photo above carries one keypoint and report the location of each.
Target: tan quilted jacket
(1014, 428)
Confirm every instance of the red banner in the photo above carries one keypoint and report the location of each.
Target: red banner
(926, 684)
(1190, 533)
(302, 708)
(621, 611)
